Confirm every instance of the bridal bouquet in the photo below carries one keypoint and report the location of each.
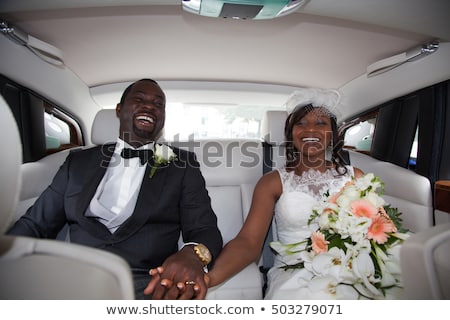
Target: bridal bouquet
(353, 253)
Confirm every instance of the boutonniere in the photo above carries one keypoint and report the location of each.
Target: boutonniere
(162, 155)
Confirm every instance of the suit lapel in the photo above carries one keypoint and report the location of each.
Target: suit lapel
(96, 170)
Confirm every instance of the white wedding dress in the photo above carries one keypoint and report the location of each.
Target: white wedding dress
(292, 211)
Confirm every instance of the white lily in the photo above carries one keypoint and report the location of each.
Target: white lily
(365, 271)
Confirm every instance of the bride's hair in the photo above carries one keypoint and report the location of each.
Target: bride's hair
(292, 153)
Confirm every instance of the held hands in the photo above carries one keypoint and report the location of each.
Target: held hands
(180, 277)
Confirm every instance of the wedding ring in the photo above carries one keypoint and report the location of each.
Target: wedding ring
(190, 283)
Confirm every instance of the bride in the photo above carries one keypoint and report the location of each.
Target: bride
(314, 167)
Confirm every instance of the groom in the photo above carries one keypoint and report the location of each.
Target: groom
(131, 204)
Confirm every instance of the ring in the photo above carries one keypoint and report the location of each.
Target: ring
(190, 283)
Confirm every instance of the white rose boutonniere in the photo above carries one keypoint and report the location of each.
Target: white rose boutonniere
(162, 155)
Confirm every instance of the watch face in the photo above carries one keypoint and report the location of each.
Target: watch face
(203, 253)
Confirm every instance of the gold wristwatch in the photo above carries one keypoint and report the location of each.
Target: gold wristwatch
(203, 253)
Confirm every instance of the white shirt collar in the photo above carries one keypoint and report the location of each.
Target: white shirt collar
(120, 144)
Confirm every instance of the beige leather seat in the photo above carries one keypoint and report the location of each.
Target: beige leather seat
(231, 169)
(425, 263)
(49, 269)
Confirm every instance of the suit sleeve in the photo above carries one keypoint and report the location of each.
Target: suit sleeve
(199, 222)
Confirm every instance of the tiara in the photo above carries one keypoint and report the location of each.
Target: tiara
(326, 98)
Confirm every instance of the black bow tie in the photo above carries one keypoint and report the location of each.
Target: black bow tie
(143, 155)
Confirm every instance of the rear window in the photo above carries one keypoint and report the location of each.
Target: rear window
(190, 121)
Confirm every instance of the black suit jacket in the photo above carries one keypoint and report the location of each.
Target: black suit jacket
(174, 200)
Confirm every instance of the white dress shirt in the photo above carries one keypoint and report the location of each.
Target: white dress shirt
(117, 193)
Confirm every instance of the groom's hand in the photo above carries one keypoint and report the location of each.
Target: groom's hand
(180, 277)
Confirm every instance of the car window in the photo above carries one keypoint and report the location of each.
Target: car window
(186, 121)
(413, 154)
(57, 132)
(61, 130)
(359, 136)
(44, 127)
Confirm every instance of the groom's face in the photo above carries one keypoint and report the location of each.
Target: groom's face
(142, 113)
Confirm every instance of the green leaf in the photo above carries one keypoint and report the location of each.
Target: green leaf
(395, 216)
(299, 265)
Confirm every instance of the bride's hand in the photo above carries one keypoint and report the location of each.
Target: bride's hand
(156, 280)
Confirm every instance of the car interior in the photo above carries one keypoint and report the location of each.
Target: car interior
(227, 68)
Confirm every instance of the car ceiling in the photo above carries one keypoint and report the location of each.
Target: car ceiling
(324, 43)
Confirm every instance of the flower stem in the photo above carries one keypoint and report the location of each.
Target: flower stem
(152, 171)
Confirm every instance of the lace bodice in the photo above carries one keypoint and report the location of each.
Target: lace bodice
(313, 182)
(300, 194)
